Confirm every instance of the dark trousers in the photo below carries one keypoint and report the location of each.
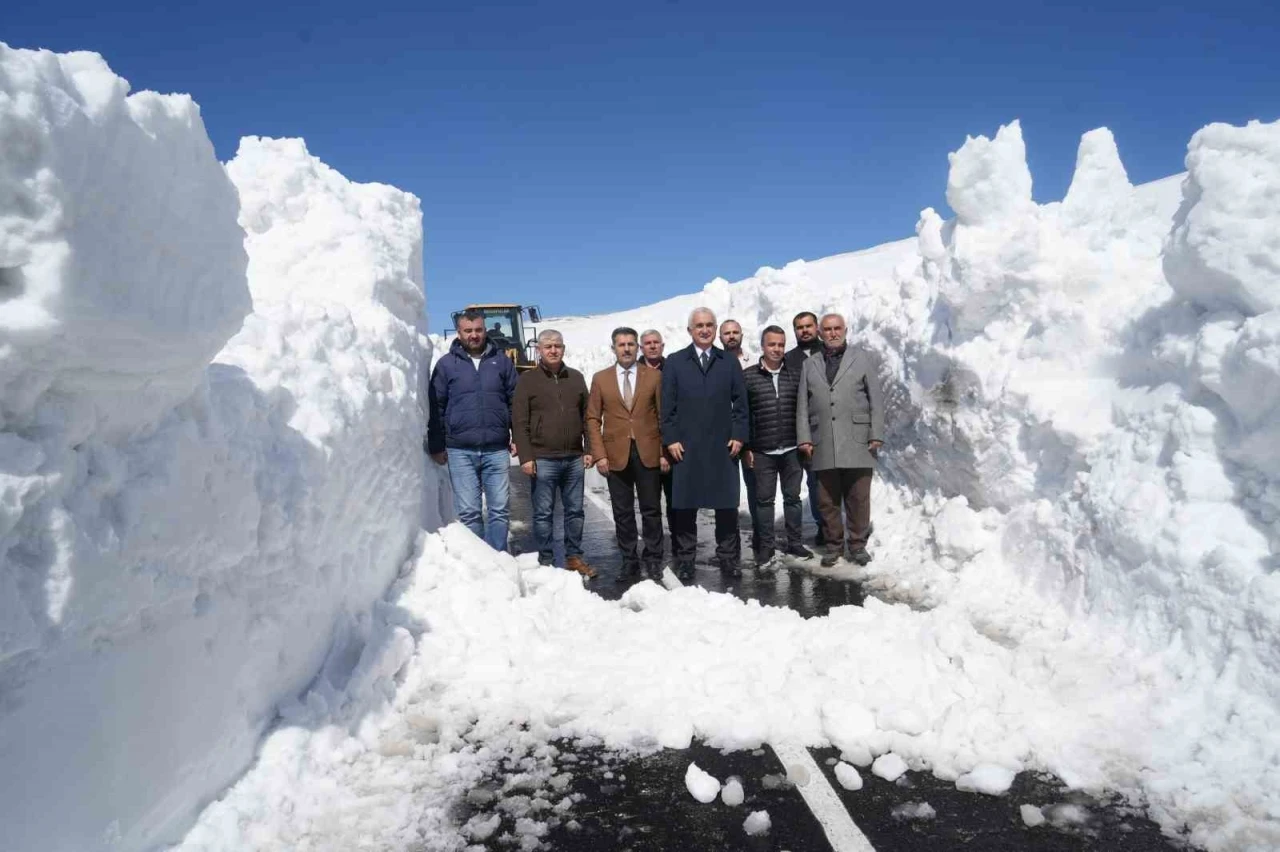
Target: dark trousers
(635, 481)
(749, 481)
(668, 480)
(811, 480)
(852, 487)
(684, 544)
(769, 471)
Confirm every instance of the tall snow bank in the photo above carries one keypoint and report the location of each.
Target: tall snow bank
(121, 266)
(190, 522)
(1084, 400)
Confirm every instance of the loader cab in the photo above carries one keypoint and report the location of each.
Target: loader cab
(507, 328)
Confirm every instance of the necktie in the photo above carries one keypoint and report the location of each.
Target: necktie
(628, 397)
(706, 360)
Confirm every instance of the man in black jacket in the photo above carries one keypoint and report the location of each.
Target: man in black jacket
(772, 387)
(808, 344)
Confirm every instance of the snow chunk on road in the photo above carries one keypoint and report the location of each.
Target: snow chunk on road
(986, 778)
(889, 766)
(848, 776)
(913, 810)
(1031, 816)
(702, 785)
(733, 794)
(757, 823)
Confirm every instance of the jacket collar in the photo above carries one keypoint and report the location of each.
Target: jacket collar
(715, 352)
(561, 373)
(782, 367)
(458, 349)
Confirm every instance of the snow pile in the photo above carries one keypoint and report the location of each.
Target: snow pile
(122, 270)
(463, 672)
(1083, 438)
(190, 510)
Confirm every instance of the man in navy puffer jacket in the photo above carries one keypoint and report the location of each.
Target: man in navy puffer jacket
(470, 430)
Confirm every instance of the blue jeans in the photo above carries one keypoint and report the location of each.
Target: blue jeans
(487, 472)
(552, 478)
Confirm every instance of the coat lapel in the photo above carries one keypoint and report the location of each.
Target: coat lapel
(846, 361)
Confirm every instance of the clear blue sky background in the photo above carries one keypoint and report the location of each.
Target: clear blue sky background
(592, 156)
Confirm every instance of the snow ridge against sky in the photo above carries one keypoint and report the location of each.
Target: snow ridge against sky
(210, 473)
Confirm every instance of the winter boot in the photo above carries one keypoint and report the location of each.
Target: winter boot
(576, 563)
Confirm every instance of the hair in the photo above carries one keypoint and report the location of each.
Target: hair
(550, 334)
(470, 314)
(650, 331)
(772, 329)
(703, 310)
(833, 314)
(731, 320)
(623, 331)
(795, 319)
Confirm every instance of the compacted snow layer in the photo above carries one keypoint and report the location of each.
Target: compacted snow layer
(196, 500)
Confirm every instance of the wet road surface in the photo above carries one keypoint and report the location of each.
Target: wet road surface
(609, 801)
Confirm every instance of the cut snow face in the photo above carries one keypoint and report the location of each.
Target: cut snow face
(197, 501)
(1083, 420)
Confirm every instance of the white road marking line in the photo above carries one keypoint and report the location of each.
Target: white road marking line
(842, 833)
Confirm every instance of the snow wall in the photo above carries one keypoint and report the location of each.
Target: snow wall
(210, 445)
(1084, 416)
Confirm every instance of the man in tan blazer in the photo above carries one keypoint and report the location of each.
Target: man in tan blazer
(623, 412)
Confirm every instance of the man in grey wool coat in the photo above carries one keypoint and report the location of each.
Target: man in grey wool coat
(840, 426)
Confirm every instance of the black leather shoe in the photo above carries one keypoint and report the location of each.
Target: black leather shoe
(860, 556)
(799, 551)
(730, 569)
(684, 573)
(829, 559)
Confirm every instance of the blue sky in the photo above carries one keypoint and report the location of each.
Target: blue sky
(595, 156)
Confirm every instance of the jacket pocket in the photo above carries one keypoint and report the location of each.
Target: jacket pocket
(861, 417)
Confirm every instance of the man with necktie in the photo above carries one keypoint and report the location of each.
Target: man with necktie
(622, 429)
(704, 425)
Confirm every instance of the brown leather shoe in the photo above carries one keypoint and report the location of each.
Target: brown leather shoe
(576, 563)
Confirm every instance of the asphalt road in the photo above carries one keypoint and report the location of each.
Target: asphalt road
(641, 803)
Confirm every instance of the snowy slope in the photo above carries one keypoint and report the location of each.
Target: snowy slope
(1082, 458)
(196, 500)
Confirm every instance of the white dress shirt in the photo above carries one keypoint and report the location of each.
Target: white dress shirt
(621, 371)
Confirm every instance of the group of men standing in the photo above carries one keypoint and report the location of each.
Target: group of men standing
(681, 427)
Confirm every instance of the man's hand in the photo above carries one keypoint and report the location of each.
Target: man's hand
(676, 450)
(512, 448)
(439, 458)
(602, 467)
(749, 458)
(874, 447)
(530, 467)
(663, 465)
(807, 449)
(735, 447)
(587, 460)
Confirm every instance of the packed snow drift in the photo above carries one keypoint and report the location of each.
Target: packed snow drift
(205, 475)
(1077, 515)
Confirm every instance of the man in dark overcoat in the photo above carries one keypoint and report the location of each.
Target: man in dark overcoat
(704, 425)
